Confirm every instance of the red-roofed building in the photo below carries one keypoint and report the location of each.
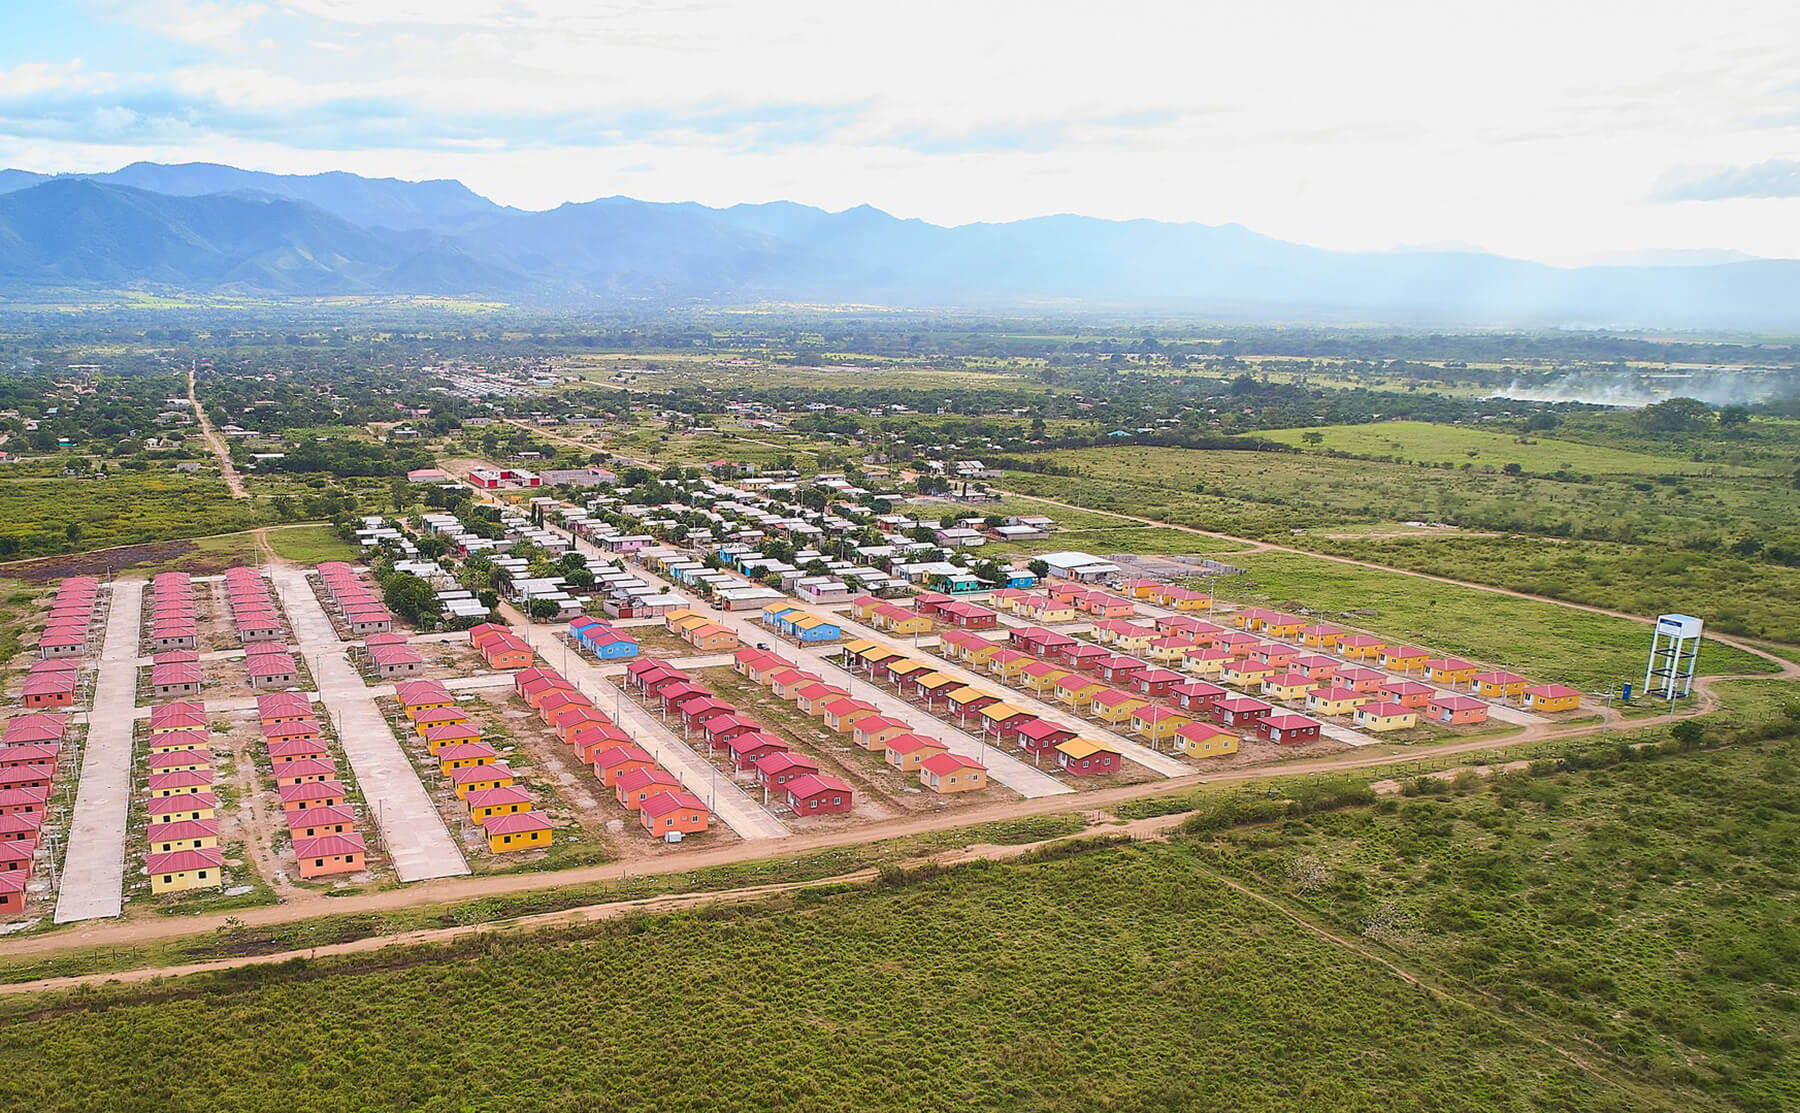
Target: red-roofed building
(680, 812)
(638, 785)
(325, 855)
(1287, 729)
(775, 770)
(818, 794)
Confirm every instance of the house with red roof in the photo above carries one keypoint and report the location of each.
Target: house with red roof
(312, 822)
(775, 769)
(44, 691)
(1239, 711)
(1456, 710)
(326, 855)
(907, 752)
(1203, 740)
(721, 729)
(1551, 698)
(609, 764)
(818, 794)
(674, 812)
(181, 870)
(1286, 728)
(510, 831)
(949, 773)
(311, 794)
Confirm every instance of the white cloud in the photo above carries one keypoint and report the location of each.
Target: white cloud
(1535, 128)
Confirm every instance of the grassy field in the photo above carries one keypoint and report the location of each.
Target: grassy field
(1546, 642)
(1734, 595)
(46, 516)
(310, 544)
(1414, 442)
(1646, 908)
(1122, 979)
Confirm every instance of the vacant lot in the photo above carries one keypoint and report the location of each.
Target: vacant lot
(313, 544)
(1413, 442)
(1544, 641)
(1116, 979)
(1648, 908)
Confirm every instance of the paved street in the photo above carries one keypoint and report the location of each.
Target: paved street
(411, 828)
(93, 877)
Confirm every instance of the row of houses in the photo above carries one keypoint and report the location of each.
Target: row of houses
(794, 779)
(266, 658)
(314, 799)
(1066, 602)
(487, 785)
(182, 849)
(804, 627)
(701, 632)
(602, 640)
(980, 711)
(664, 809)
(354, 599)
(172, 623)
(31, 745)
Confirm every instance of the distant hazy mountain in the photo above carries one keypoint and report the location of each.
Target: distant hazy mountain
(374, 202)
(204, 227)
(73, 232)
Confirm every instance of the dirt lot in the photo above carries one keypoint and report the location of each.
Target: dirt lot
(882, 792)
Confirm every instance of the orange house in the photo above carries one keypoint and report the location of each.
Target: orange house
(507, 651)
(674, 811)
(325, 855)
(907, 752)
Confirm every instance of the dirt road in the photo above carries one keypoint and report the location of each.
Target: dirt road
(226, 467)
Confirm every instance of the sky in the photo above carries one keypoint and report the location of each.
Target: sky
(1569, 132)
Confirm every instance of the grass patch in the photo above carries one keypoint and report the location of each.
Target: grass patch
(311, 544)
(1413, 442)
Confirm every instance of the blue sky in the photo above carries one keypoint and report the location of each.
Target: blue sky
(1557, 131)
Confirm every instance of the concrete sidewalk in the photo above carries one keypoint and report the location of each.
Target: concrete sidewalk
(93, 875)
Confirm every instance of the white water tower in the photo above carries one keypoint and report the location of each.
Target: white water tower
(1674, 650)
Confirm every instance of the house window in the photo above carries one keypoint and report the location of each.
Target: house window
(202, 875)
(168, 880)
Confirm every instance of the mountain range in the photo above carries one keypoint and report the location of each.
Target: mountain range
(207, 228)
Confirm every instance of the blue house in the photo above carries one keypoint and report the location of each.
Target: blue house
(1021, 578)
(609, 645)
(810, 627)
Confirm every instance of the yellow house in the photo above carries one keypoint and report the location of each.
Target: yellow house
(674, 619)
(180, 870)
(191, 805)
(1042, 680)
(1116, 707)
(1009, 665)
(1287, 687)
(1403, 658)
(1050, 609)
(1077, 691)
(1452, 672)
(1246, 674)
(1208, 662)
(1321, 636)
(1334, 701)
(978, 651)
(1283, 626)
(1192, 601)
(474, 778)
(1157, 724)
(1360, 647)
(1134, 641)
(1172, 652)
(863, 606)
(1552, 697)
(907, 625)
(517, 831)
(1378, 717)
(1499, 685)
(1204, 740)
